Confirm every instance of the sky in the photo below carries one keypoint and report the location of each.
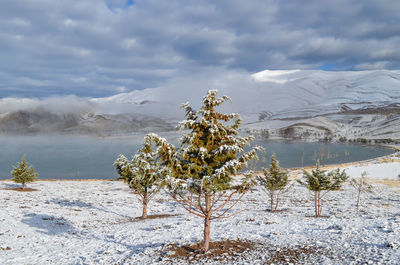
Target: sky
(98, 48)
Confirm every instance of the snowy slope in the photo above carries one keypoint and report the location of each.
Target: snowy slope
(283, 93)
(352, 103)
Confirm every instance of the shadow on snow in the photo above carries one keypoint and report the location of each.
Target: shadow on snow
(48, 224)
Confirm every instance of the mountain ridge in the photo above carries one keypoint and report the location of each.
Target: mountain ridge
(350, 104)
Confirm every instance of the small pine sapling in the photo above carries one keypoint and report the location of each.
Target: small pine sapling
(362, 186)
(141, 173)
(23, 173)
(275, 181)
(319, 181)
(202, 170)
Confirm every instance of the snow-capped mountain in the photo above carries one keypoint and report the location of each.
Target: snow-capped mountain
(280, 93)
(278, 100)
(296, 103)
(326, 91)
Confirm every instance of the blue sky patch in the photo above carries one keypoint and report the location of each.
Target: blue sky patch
(327, 67)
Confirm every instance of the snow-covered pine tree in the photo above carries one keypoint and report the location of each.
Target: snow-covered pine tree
(23, 173)
(319, 180)
(141, 173)
(202, 170)
(275, 181)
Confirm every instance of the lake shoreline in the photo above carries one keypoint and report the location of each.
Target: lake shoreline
(294, 172)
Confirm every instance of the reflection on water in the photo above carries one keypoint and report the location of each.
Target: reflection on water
(299, 154)
(85, 157)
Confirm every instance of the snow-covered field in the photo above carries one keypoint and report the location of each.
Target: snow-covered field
(91, 222)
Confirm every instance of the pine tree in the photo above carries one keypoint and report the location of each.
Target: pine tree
(275, 181)
(23, 173)
(141, 173)
(202, 170)
(362, 186)
(319, 180)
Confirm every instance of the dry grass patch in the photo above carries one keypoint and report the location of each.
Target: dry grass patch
(389, 182)
(387, 160)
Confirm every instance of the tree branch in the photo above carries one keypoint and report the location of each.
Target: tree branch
(190, 210)
(228, 200)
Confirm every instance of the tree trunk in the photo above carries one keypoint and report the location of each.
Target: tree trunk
(316, 203)
(23, 186)
(145, 202)
(358, 199)
(272, 201)
(277, 202)
(319, 204)
(207, 225)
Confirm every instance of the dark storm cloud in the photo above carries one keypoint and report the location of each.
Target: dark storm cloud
(99, 48)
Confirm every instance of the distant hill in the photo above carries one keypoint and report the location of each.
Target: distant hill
(304, 104)
(296, 104)
(283, 94)
(40, 121)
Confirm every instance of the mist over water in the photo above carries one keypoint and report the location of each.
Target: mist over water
(62, 157)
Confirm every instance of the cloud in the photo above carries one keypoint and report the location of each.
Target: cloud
(121, 89)
(59, 105)
(90, 48)
(371, 66)
(276, 76)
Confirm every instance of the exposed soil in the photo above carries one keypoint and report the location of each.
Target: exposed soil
(292, 255)
(6, 248)
(139, 219)
(219, 250)
(20, 189)
(277, 210)
(321, 216)
(154, 216)
(225, 251)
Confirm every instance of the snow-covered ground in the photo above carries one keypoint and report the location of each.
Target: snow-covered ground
(381, 168)
(91, 222)
(384, 171)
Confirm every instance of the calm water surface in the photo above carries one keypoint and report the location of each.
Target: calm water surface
(85, 157)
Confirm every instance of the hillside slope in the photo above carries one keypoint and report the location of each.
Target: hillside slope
(300, 104)
(353, 104)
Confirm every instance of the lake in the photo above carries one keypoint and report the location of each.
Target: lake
(61, 157)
